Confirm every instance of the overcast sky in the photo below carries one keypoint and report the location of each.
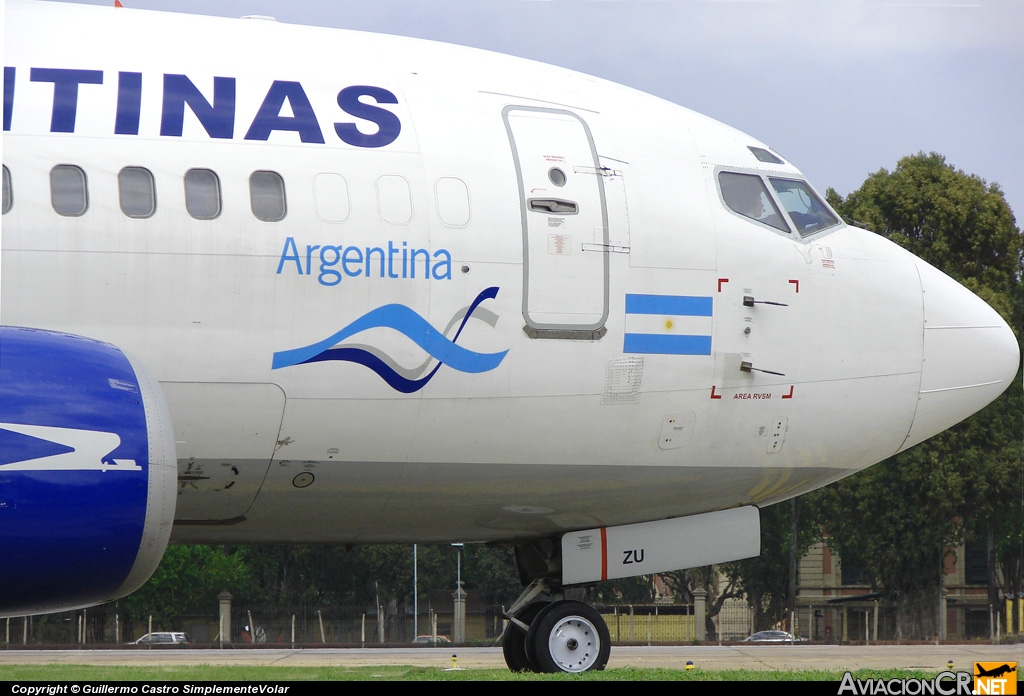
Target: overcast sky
(842, 88)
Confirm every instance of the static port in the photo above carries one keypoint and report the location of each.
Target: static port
(302, 480)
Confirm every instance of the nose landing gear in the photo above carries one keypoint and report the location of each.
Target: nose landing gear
(569, 636)
(547, 632)
(560, 636)
(513, 642)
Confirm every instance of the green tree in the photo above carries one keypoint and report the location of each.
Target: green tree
(388, 570)
(900, 518)
(903, 516)
(955, 221)
(638, 589)
(300, 574)
(376, 573)
(717, 588)
(188, 577)
(490, 572)
(768, 581)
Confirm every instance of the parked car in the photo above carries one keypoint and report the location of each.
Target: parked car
(431, 640)
(162, 638)
(773, 637)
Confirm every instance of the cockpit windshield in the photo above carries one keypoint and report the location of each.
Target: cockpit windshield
(805, 209)
(747, 195)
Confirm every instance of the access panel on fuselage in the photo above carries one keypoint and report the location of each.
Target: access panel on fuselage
(565, 287)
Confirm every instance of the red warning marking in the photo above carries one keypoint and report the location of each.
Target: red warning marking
(713, 394)
(720, 281)
(796, 283)
(790, 394)
(604, 553)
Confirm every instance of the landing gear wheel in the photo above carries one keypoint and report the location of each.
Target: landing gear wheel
(513, 643)
(568, 636)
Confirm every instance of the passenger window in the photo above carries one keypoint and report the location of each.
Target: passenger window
(806, 210)
(137, 191)
(202, 194)
(394, 199)
(8, 193)
(68, 191)
(331, 194)
(747, 195)
(452, 201)
(266, 196)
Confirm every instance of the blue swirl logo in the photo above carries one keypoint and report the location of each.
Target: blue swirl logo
(417, 329)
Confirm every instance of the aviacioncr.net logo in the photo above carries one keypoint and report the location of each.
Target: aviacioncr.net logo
(945, 684)
(995, 678)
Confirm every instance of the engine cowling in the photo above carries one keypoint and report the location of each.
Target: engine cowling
(87, 472)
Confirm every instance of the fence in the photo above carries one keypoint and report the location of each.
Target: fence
(347, 625)
(395, 625)
(659, 623)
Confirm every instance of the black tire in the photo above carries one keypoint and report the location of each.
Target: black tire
(513, 642)
(568, 636)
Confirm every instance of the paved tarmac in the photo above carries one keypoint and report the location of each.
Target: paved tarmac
(755, 657)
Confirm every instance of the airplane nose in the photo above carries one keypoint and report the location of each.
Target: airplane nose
(970, 355)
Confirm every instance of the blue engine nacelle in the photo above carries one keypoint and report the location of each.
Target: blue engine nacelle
(87, 472)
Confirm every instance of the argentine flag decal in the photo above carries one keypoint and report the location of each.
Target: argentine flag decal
(668, 325)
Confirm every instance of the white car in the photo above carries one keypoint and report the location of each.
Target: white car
(163, 638)
(773, 637)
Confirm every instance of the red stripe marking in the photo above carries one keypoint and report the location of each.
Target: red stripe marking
(713, 394)
(790, 394)
(604, 553)
(796, 283)
(720, 281)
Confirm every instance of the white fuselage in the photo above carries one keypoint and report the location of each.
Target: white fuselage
(574, 427)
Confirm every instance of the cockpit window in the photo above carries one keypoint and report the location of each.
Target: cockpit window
(763, 155)
(747, 195)
(806, 210)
